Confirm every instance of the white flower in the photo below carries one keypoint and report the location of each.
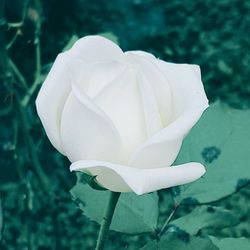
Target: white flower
(122, 116)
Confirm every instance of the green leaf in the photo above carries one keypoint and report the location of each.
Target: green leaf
(70, 43)
(205, 217)
(174, 241)
(231, 243)
(134, 214)
(221, 141)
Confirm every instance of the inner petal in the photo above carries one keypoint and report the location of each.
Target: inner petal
(120, 100)
(91, 78)
(152, 116)
(159, 84)
(101, 74)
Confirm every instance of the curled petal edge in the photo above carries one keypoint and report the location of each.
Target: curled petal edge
(51, 99)
(142, 181)
(172, 135)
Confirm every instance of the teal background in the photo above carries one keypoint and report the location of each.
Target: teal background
(213, 34)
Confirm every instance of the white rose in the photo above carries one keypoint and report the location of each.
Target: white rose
(122, 116)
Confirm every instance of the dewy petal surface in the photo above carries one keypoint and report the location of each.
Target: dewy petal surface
(87, 133)
(51, 99)
(140, 181)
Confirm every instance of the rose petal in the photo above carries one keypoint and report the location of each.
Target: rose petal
(94, 49)
(150, 106)
(185, 82)
(196, 69)
(162, 149)
(120, 101)
(51, 99)
(146, 67)
(141, 53)
(86, 132)
(92, 78)
(120, 178)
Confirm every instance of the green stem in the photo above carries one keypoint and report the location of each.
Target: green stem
(167, 221)
(3, 53)
(107, 220)
(37, 44)
(18, 74)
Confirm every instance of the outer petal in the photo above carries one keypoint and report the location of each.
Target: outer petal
(57, 86)
(141, 53)
(189, 102)
(51, 99)
(186, 84)
(124, 179)
(86, 132)
(94, 49)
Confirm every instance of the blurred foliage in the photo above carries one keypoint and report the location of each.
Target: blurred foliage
(36, 210)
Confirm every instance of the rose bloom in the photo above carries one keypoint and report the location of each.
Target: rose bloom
(122, 116)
